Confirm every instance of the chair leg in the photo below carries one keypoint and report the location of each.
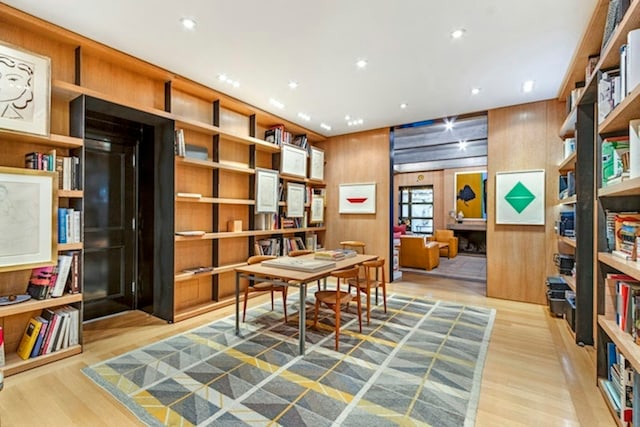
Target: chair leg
(384, 296)
(368, 292)
(337, 310)
(359, 309)
(284, 303)
(271, 300)
(315, 316)
(246, 297)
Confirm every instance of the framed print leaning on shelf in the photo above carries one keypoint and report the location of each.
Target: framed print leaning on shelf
(28, 209)
(357, 198)
(25, 90)
(295, 200)
(266, 191)
(293, 160)
(520, 197)
(317, 209)
(317, 164)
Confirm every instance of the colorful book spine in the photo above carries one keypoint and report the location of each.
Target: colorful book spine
(29, 338)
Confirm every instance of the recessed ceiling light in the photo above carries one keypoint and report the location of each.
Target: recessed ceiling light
(222, 77)
(361, 63)
(325, 126)
(462, 145)
(293, 84)
(225, 79)
(188, 23)
(456, 34)
(276, 103)
(304, 117)
(475, 91)
(448, 124)
(527, 86)
(347, 117)
(403, 105)
(355, 122)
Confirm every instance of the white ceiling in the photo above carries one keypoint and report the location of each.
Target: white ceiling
(411, 57)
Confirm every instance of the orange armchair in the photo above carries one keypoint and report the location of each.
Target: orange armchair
(416, 252)
(446, 236)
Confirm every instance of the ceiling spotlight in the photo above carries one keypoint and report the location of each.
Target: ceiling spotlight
(361, 63)
(276, 103)
(304, 117)
(527, 86)
(475, 91)
(188, 23)
(448, 124)
(456, 34)
(403, 105)
(236, 84)
(293, 84)
(222, 77)
(462, 145)
(347, 117)
(325, 126)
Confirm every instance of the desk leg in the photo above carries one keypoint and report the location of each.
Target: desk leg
(237, 303)
(302, 321)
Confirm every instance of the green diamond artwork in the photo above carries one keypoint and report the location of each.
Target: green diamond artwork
(519, 197)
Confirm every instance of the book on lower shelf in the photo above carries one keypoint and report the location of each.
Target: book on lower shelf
(29, 338)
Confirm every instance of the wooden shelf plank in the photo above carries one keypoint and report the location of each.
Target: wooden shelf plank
(14, 364)
(70, 246)
(629, 187)
(568, 201)
(34, 304)
(71, 194)
(571, 281)
(623, 340)
(220, 201)
(607, 400)
(571, 241)
(631, 268)
(182, 276)
(214, 165)
(569, 125)
(618, 119)
(53, 140)
(568, 164)
(246, 233)
(610, 56)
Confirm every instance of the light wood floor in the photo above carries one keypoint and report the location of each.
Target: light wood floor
(534, 374)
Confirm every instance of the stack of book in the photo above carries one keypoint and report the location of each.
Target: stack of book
(626, 233)
(51, 331)
(52, 281)
(335, 254)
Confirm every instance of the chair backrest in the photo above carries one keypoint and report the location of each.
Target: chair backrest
(371, 267)
(347, 273)
(259, 258)
(412, 242)
(443, 235)
(299, 252)
(356, 245)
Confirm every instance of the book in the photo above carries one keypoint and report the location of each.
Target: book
(190, 195)
(41, 282)
(2, 359)
(41, 335)
(64, 267)
(179, 144)
(74, 276)
(29, 338)
(191, 233)
(52, 330)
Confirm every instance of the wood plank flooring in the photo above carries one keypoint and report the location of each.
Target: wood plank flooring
(534, 373)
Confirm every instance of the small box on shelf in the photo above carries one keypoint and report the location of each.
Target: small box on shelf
(234, 226)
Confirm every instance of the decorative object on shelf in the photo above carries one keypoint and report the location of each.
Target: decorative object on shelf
(471, 194)
(357, 198)
(13, 299)
(28, 205)
(317, 164)
(317, 209)
(266, 191)
(295, 200)
(520, 197)
(293, 160)
(234, 226)
(25, 90)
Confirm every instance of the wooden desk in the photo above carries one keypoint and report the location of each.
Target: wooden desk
(296, 278)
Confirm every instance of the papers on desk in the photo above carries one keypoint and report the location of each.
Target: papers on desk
(300, 264)
(335, 254)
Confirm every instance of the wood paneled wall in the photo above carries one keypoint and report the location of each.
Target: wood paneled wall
(359, 158)
(520, 257)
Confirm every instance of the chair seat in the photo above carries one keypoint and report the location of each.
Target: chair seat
(363, 283)
(266, 286)
(329, 297)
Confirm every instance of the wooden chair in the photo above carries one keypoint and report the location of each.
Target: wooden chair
(335, 299)
(264, 287)
(374, 278)
(356, 245)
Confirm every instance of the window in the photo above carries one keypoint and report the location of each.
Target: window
(416, 208)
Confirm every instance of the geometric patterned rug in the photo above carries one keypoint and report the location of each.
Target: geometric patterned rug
(419, 364)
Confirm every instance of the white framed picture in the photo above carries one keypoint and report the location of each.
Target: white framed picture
(295, 200)
(28, 208)
(293, 160)
(267, 182)
(317, 209)
(357, 198)
(520, 197)
(25, 90)
(317, 164)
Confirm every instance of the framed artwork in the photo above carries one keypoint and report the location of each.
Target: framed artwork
(295, 200)
(25, 90)
(520, 197)
(293, 160)
(317, 164)
(267, 183)
(28, 209)
(317, 209)
(470, 196)
(357, 198)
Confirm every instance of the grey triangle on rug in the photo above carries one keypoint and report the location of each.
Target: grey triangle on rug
(418, 364)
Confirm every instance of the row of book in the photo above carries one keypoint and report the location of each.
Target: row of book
(281, 246)
(53, 281)
(67, 168)
(277, 135)
(622, 232)
(626, 290)
(69, 225)
(615, 160)
(52, 330)
(622, 387)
